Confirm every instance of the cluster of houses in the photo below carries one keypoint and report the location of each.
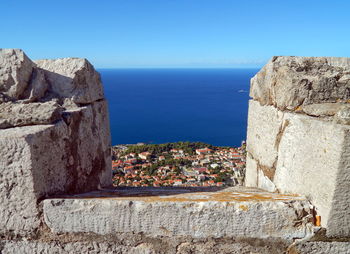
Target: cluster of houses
(204, 167)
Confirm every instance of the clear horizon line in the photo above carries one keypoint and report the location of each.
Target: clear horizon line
(181, 67)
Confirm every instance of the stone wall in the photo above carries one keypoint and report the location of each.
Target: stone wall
(55, 167)
(298, 136)
(54, 135)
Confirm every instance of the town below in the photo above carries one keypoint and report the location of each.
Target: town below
(185, 164)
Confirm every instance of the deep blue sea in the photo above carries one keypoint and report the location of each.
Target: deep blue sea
(169, 105)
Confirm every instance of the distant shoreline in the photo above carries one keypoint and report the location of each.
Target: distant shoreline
(150, 143)
(186, 164)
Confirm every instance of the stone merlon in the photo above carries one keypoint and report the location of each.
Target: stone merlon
(298, 138)
(54, 135)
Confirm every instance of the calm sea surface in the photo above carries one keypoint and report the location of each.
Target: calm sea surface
(169, 105)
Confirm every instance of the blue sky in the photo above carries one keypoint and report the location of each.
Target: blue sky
(176, 33)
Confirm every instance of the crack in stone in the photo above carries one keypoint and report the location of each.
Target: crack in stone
(268, 171)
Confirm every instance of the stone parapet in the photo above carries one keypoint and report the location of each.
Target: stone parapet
(55, 168)
(298, 134)
(172, 212)
(177, 220)
(54, 135)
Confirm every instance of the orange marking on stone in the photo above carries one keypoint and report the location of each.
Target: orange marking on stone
(318, 221)
(243, 207)
(222, 196)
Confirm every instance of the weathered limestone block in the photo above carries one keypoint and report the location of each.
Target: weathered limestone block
(37, 86)
(288, 82)
(343, 115)
(72, 78)
(264, 127)
(15, 72)
(54, 135)
(89, 146)
(320, 248)
(309, 162)
(43, 160)
(197, 215)
(255, 176)
(173, 245)
(147, 246)
(251, 172)
(31, 166)
(19, 114)
(29, 247)
(322, 109)
(298, 134)
(339, 216)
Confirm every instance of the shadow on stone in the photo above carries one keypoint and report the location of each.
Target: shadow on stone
(146, 191)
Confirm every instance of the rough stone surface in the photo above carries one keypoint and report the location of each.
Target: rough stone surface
(72, 78)
(22, 79)
(312, 165)
(15, 72)
(173, 245)
(307, 161)
(264, 126)
(198, 215)
(148, 246)
(343, 116)
(251, 173)
(28, 247)
(320, 248)
(37, 88)
(20, 114)
(89, 146)
(298, 134)
(22, 182)
(322, 109)
(42, 160)
(288, 82)
(49, 143)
